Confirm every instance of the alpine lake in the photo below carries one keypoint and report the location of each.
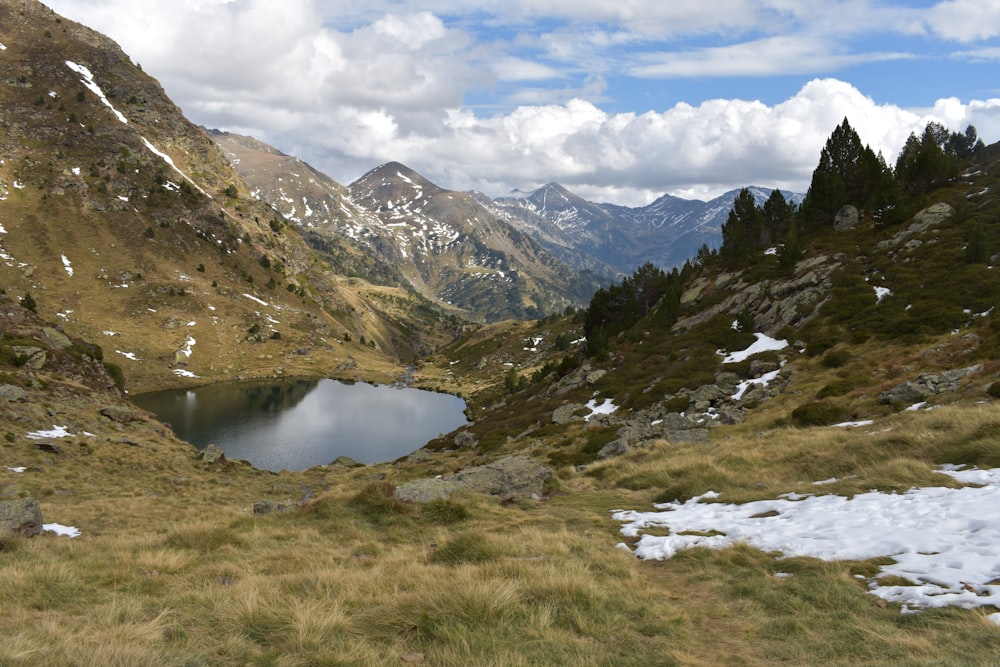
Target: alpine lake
(296, 424)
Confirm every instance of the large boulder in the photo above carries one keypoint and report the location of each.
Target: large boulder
(22, 517)
(211, 454)
(13, 393)
(847, 218)
(614, 448)
(510, 478)
(565, 414)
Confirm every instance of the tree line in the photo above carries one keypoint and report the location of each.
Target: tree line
(848, 172)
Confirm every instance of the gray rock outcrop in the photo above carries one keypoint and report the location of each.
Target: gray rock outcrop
(510, 478)
(925, 220)
(211, 454)
(564, 414)
(22, 517)
(12, 393)
(928, 384)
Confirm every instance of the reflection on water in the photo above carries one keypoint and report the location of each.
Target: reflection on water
(298, 424)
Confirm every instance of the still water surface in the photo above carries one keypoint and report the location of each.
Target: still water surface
(296, 424)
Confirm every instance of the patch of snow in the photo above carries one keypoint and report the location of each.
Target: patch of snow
(863, 422)
(56, 432)
(109, 332)
(771, 251)
(61, 530)
(76, 171)
(764, 343)
(916, 406)
(2, 230)
(67, 265)
(2, 47)
(18, 185)
(881, 293)
(253, 298)
(16, 469)
(763, 381)
(183, 373)
(128, 355)
(188, 347)
(943, 540)
(122, 198)
(604, 408)
(53, 94)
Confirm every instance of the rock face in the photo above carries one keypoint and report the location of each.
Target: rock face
(22, 517)
(774, 303)
(925, 220)
(510, 478)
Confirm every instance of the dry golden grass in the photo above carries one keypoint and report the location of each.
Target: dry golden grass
(173, 568)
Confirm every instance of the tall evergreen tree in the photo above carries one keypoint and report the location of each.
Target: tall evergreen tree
(924, 163)
(848, 173)
(777, 218)
(743, 230)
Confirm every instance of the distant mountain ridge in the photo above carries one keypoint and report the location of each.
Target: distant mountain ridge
(666, 233)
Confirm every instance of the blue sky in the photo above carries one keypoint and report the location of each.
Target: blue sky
(620, 101)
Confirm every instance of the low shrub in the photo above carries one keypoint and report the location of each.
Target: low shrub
(819, 413)
(465, 548)
(836, 358)
(835, 388)
(378, 504)
(443, 511)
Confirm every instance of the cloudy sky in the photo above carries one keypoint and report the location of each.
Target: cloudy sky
(619, 100)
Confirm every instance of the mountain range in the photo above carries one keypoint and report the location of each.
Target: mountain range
(392, 225)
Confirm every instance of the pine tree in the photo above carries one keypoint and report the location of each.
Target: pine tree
(923, 163)
(777, 218)
(848, 173)
(743, 230)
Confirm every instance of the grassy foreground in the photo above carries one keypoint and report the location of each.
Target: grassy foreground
(173, 567)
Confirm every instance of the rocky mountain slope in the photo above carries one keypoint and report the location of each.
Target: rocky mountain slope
(394, 227)
(127, 224)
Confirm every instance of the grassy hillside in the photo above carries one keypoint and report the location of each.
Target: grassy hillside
(174, 567)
